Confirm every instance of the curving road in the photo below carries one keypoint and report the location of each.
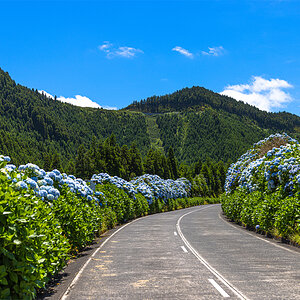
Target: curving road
(188, 254)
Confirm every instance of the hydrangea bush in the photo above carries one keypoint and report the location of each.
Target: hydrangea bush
(150, 186)
(263, 187)
(266, 166)
(32, 244)
(45, 216)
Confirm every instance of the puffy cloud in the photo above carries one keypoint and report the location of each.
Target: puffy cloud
(214, 51)
(262, 93)
(183, 51)
(127, 52)
(81, 101)
(111, 51)
(105, 46)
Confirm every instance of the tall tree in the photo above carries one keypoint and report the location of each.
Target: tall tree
(173, 164)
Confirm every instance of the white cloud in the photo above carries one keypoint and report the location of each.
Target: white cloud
(262, 93)
(127, 52)
(105, 46)
(81, 101)
(214, 51)
(183, 51)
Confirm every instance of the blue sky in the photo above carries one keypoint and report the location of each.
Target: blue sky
(114, 52)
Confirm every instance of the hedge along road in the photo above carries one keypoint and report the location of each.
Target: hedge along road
(188, 254)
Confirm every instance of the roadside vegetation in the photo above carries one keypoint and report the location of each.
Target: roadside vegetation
(263, 188)
(48, 217)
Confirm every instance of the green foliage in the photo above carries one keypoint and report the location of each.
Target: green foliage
(200, 124)
(108, 218)
(156, 163)
(209, 178)
(32, 245)
(199, 186)
(118, 200)
(195, 122)
(207, 134)
(108, 157)
(46, 132)
(156, 206)
(272, 212)
(172, 163)
(141, 206)
(197, 99)
(79, 218)
(262, 187)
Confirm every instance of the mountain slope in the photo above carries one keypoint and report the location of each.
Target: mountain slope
(201, 124)
(195, 122)
(32, 125)
(209, 134)
(199, 99)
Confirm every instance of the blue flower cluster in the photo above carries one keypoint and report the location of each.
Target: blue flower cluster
(151, 186)
(46, 185)
(120, 183)
(278, 167)
(4, 158)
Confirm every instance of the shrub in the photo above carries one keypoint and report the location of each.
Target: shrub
(78, 217)
(32, 245)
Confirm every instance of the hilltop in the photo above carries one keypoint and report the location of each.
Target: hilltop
(196, 122)
(33, 126)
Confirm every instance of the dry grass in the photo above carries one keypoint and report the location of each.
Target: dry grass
(275, 142)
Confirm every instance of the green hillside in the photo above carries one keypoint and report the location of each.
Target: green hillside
(32, 126)
(197, 123)
(207, 134)
(199, 99)
(201, 124)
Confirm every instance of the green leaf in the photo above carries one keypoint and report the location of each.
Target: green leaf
(8, 254)
(2, 270)
(14, 277)
(3, 281)
(5, 294)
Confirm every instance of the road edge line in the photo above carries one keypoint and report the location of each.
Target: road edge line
(66, 293)
(237, 227)
(204, 262)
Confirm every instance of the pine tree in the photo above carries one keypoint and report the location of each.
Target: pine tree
(80, 164)
(136, 167)
(56, 163)
(172, 162)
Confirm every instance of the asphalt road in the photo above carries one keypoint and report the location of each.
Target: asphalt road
(188, 254)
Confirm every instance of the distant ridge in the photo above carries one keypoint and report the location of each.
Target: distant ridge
(198, 99)
(34, 126)
(197, 123)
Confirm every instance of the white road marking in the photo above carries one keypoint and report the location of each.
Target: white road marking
(203, 261)
(65, 295)
(175, 233)
(255, 236)
(218, 288)
(184, 249)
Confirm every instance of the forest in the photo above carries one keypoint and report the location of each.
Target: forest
(199, 99)
(192, 127)
(157, 155)
(34, 127)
